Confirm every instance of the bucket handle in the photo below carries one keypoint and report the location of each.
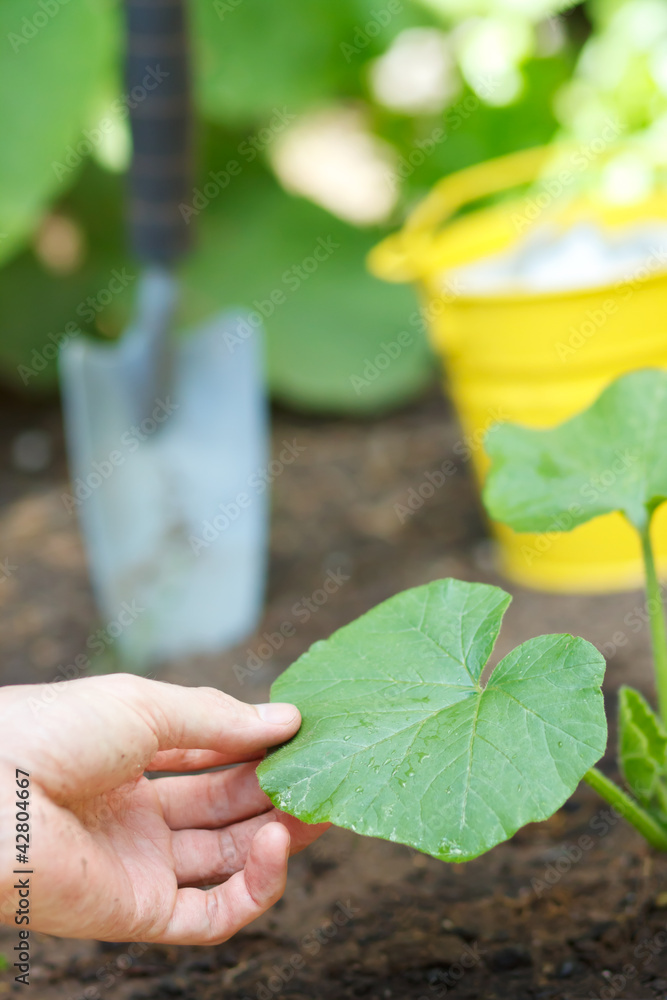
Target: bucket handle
(490, 177)
(394, 258)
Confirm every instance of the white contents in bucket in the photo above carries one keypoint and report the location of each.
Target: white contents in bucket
(550, 260)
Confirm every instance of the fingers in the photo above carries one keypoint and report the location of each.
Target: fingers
(132, 719)
(213, 916)
(186, 760)
(209, 801)
(204, 857)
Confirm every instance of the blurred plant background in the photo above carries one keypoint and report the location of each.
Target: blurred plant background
(319, 124)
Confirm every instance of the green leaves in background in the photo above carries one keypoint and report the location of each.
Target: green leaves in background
(401, 740)
(330, 322)
(327, 319)
(252, 56)
(609, 458)
(40, 307)
(55, 63)
(251, 60)
(643, 752)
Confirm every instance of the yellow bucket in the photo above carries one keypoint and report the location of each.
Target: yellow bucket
(534, 358)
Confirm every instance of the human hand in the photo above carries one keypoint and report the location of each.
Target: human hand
(119, 857)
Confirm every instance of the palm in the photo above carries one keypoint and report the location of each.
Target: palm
(134, 852)
(127, 842)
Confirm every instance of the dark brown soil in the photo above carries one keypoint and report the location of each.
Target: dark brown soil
(360, 918)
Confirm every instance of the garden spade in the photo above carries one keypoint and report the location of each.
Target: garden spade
(165, 434)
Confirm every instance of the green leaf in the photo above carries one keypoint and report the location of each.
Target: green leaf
(253, 56)
(401, 740)
(609, 458)
(54, 68)
(643, 751)
(329, 319)
(32, 323)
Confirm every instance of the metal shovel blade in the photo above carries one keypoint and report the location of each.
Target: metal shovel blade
(168, 484)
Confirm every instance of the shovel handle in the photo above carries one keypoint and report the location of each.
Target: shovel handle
(159, 98)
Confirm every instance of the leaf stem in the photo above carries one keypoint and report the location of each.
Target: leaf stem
(656, 616)
(649, 828)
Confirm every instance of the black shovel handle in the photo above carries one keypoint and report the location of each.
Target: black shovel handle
(160, 102)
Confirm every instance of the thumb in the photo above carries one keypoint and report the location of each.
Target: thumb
(208, 719)
(103, 731)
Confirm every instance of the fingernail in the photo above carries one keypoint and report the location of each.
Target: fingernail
(277, 712)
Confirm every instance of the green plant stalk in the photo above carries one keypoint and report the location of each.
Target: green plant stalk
(649, 828)
(656, 615)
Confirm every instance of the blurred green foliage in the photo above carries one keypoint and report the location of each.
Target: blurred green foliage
(517, 74)
(50, 77)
